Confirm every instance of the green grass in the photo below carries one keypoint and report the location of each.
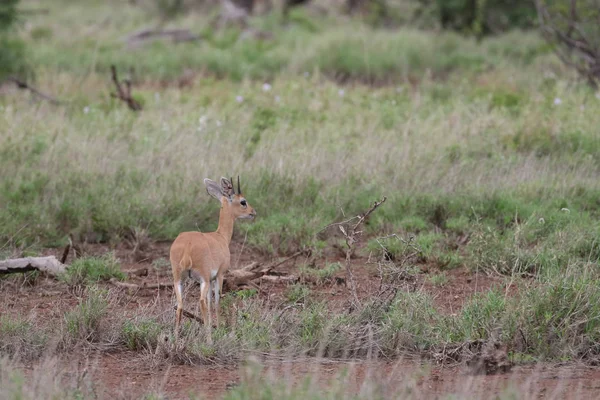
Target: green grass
(83, 322)
(91, 270)
(141, 334)
(21, 339)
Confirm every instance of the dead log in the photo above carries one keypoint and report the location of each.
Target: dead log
(49, 265)
(176, 36)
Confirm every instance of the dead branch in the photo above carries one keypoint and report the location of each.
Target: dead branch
(572, 42)
(124, 94)
(351, 234)
(50, 265)
(124, 284)
(66, 251)
(175, 35)
(21, 84)
(190, 315)
(293, 256)
(138, 272)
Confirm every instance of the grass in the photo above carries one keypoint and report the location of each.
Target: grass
(488, 153)
(20, 339)
(83, 322)
(91, 270)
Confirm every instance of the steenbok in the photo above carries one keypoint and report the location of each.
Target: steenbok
(205, 256)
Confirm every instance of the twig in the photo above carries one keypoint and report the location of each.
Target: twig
(351, 233)
(296, 254)
(124, 94)
(142, 286)
(190, 315)
(25, 86)
(66, 251)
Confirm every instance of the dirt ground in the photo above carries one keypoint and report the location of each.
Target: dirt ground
(121, 375)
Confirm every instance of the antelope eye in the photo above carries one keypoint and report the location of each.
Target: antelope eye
(243, 203)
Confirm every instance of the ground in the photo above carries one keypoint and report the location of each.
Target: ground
(123, 374)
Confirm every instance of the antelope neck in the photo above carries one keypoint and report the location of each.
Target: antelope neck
(225, 220)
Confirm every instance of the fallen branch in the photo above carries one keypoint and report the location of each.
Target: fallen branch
(138, 272)
(135, 286)
(190, 315)
(25, 86)
(124, 284)
(49, 265)
(176, 36)
(124, 94)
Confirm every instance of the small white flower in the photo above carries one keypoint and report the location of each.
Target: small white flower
(86, 109)
(541, 221)
(341, 92)
(557, 101)
(266, 87)
(239, 99)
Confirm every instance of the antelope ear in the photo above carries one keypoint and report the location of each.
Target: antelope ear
(213, 188)
(227, 188)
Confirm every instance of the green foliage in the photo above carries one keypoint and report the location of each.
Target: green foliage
(324, 274)
(20, 339)
(297, 293)
(83, 323)
(141, 334)
(483, 17)
(8, 14)
(561, 315)
(440, 279)
(91, 270)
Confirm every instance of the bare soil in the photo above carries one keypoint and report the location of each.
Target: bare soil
(121, 375)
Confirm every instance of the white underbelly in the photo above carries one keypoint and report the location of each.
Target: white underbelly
(198, 278)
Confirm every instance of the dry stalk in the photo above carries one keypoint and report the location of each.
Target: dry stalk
(124, 94)
(351, 234)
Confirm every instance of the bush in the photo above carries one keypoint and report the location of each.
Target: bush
(12, 50)
(483, 17)
(141, 334)
(83, 322)
(89, 270)
(19, 338)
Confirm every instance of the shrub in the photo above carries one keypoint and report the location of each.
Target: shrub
(141, 334)
(484, 17)
(20, 338)
(90, 270)
(12, 49)
(83, 322)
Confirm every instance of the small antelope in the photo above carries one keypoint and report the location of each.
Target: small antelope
(205, 256)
